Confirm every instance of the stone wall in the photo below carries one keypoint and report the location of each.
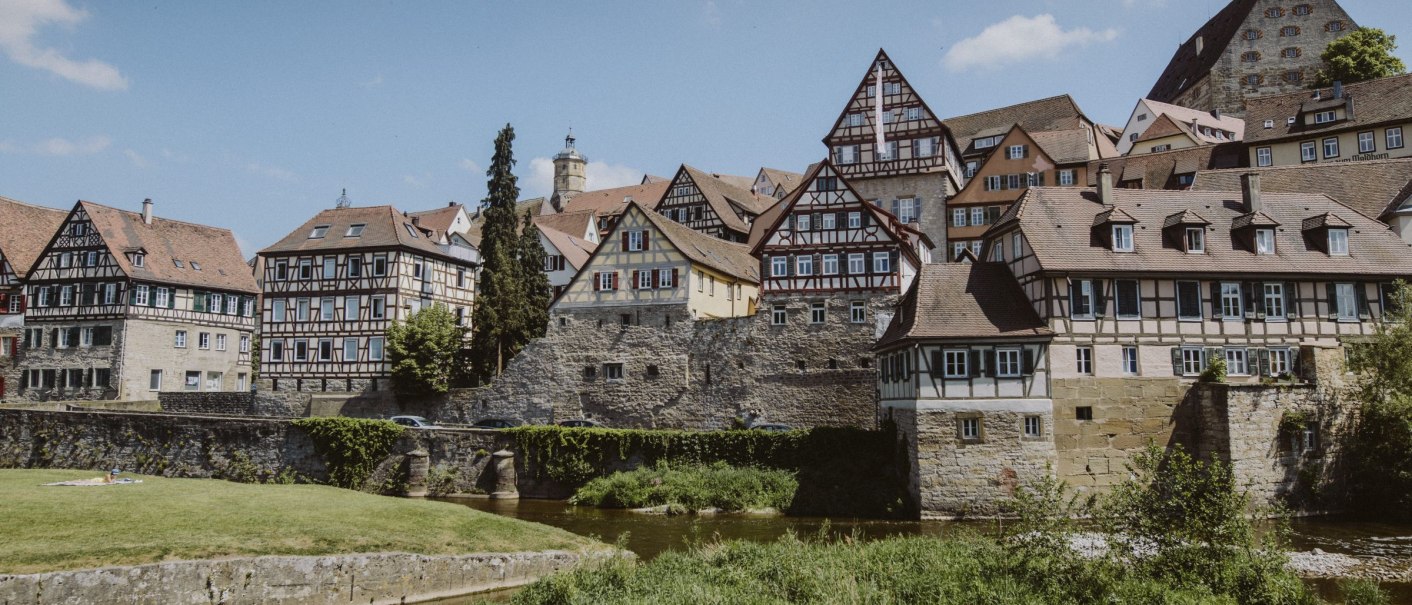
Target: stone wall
(1127, 414)
(931, 191)
(207, 403)
(680, 373)
(323, 580)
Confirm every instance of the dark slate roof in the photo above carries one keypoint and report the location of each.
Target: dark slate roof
(727, 257)
(384, 227)
(1057, 223)
(1053, 113)
(25, 230)
(1160, 170)
(964, 301)
(212, 248)
(1186, 67)
(1373, 188)
(1373, 102)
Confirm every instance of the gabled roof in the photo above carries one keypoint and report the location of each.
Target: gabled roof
(1253, 219)
(741, 182)
(727, 257)
(577, 223)
(612, 202)
(1372, 188)
(383, 227)
(859, 101)
(1054, 113)
(1055, 222)
(1187, 67)
(25, 230)
(1159, 170)
(1325, 221)
(964, 301)
(440, 219)
(1165, 126)
(212, 248)
(782, 178)
(722, 195)
(535, 206)
(1189, 116)
(575, 250)
(1066, 146)
(1372, 102)
(1184, 217)
(1114, 216)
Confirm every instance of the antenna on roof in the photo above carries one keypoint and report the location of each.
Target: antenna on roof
(343, 201)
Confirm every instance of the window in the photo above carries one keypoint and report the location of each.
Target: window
(644, 280)
(1231, 299)
(1334, 26)
(1196, 240)
(232, 305)
(1083, 360)
(214, 303)
(613, 371)
(378, 307)
(1083, 412)
(1308, 152)
(412, 231)
(1303, 9)
(1192, 361)
(330, 267)
(301, 350)
(1346, 301)
(855, 220)
(913, 113)
(1015, 152)
(110, 294)
(244, 343)
(1274, 294)
(375, 348)
(154, 381)
(977, 216)
(140, 296)
(779, 266)
(301, 310)
(66, 296)
(606, 279)
(857, 312)
(277, 350)
(1331, 147)
(1338, 242)
(1293, 53)
(830, 264)
(958, 217)
(1012, 181)
(1264, 241)
(777, 315)
(1236, 362)
(1188, 300)
(418, 270)
(906, 210)
(1263, 157)
(1289, 31)
(634, 241)
(92, 259)
(804, 265)
(882, 262)
(1130, 360)
(1366, 142)
(956, 363)
(1015, 246)
(1274, 12)
(987, 142)
(193, 380)
(1250, 56)
(277, 310)
(379, 266)
(318, 232)
(306, 268)
(926, 146)
(1007, 363)
(325, 349)
(827, 222)
(1067, 177)
(139, 259)
(203, 340)
(180, 339)
(1162, 147)
(846, 154)
(1129, 300)
(970, 429)
(817, 312)
(855, 119)
(1294, 76)
(355, 230)
(856, 263)
(1033, 426)
(1394, 138)
(666, 278)
(1252, 34)
(1122, 238)
(1081, 299)
(1279, 362)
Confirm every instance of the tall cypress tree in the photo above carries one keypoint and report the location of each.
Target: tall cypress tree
(538, 292)
(498, 319)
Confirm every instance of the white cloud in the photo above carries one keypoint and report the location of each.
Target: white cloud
(1018, 39)
(373, 83)
(274, 172)
(62, 147)
(20, 21)
(600, 175)
(136, 158)
(470, 166)
(174, 156)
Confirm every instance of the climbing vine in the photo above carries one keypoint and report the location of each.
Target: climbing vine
(351, 447)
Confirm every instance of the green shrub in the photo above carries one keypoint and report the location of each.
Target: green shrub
(351, 447)
(1362, 592)
(692, 486)
(1215, 370)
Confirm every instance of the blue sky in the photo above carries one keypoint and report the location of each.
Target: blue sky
(254, 115)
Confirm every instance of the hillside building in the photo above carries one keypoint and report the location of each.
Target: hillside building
(1363, 121)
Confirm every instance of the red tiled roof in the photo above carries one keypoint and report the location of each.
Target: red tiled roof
(25, 230)
(964, 301)
(213, 249)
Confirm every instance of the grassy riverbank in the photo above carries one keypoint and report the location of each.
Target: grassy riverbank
(691, 487)
(59, 528)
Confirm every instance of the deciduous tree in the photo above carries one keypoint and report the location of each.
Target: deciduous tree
(423, 351)
(1364, 54)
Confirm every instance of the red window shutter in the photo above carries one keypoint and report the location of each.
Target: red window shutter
(636, 276)
(596, 280)
(615, 280)
(625, 241)
(675, 283)
(656, 279)
(644, 240)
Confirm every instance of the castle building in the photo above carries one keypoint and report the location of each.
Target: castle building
(123, 305)
(19, 249)
(334, 285)
(570, 174)
(1361, 121)
(894, 151)
(712, 204)
(1251, 48)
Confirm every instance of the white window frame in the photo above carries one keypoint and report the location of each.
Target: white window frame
(855, 220)
(827, 221)
(605, 280)
(818, 313)
(1083, 360)
(1392, 138)
(1265, 241)
(857, 263)
(1008, 363)
(1067, 177)
(1232, 302)
(956, 363)
(830, 264)
(1084, 290)
(142, 295)
(778, 315)
(1122, 238)
(1264, 156)
(804, 265)
(1015, 152)
(1034, 426)
(970, 428)
(958, 217)
(203, 340)
(244, 343)
(857, 312)
(1131, 362)
(635, 241)
(1367, 142)
(1346, 299)
(1237, 361)
(110, 294)
(977, 216)
(1274, 294)
(664, 279)
(1330, 142)
(377, 307)
(375, 348)
(180, 341)
(1193, 361)
(1195, 238)
(1338, 242)
(154, 380)
(779, 266)
(882, 262)
(644, 279)
(220, 342)
(802, 222)
(1308, 151)
(1280, 361)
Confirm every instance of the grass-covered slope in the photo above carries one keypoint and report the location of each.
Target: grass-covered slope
(60, 528)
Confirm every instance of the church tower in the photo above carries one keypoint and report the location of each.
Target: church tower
(570, 174)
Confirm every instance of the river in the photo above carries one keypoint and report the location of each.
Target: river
(651, 535)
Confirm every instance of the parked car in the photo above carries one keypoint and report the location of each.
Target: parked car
(772, 427)
(416, 422)
(582, 423)
(496, 423)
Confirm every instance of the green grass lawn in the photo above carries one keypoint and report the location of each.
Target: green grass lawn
(59, 528)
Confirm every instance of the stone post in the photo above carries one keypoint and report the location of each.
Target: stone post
(505, 488)
(418, 466)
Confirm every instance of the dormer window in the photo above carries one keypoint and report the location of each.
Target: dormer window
(1265, 241)
(318, 232)
(355, 230)
(1269, 123)
(1122, 238)
(139, 259)
(1338, 242)
(1195, 240)
(1324, 117)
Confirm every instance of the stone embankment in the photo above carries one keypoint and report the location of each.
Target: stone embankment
(1319, 564)
(323, 580)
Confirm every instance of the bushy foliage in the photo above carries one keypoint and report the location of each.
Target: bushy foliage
(1364, 54)
(692, 487)
(423, 351)
(351, 447)
(1215, 370)
(1379, 452)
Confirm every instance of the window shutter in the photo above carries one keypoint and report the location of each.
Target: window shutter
(596, 280)
(1024, 151)
(645, 240)
(1004, 182)
(656, 278)
(975, 363)
(635, 282)
(1177, 361)
(1028, 360)
(1295, 358)
(990, 362)
(843, 263)
(54, 337)
(1332, 290)
(867, 219)
(1262, 361)
(1040, 177)
(789, 266)
(1254, 299)
(132, 295)
(1291, 294)
(625, 241)
(1362, 290)
(1100, 302)
(894, 206)
(892, 262)
(675, 283)
(615, 280)
(818, 264)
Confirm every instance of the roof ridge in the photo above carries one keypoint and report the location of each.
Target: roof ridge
(1318, 165)
(156, 218)
(10, 200)
(1012, 106)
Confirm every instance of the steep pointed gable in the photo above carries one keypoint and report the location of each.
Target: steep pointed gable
(27, 230)
(919, 139)
(1195, 57)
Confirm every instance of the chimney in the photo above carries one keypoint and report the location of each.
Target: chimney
(1250, 191)
(1200, 45)
(416, 221)
(450, 204)
(1105, 184)
(1338, 89)
(1216, 113)
(147, 211)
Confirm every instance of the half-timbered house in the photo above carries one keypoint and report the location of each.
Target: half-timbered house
(27, 229)
(892, 147)
(568, 239)
(123, 305)
(712, 204)
(825, 239)
(776, 183)
(333, 287)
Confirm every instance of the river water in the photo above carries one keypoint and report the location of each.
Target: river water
(651, 535)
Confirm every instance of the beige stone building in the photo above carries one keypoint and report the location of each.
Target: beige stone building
(124, 305)
(1358, 122)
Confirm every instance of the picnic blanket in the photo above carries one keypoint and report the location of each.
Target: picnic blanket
(96, 481)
